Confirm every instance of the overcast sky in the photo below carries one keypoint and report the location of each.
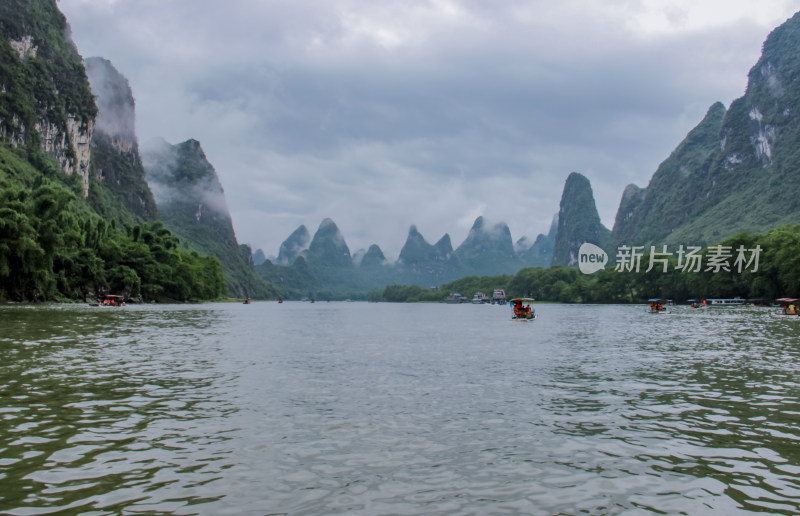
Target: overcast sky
(383, 114)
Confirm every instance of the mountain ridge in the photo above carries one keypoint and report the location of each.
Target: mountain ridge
(191, 202)
(741, 162)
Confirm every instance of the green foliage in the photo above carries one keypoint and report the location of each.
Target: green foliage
(401, 293)
(578, 221)
(737, 170)
(302, 280)
(119, 189)
(53, 246)
(195, 210)
(776, 274)
(50, 86)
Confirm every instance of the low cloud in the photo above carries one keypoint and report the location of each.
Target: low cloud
(382, 115)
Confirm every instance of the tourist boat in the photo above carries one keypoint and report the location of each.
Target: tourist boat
(723, 302)
(480, 298)
(657, 305)
(112, 300)
(499, 296)
(246, 301)
(522, 312)
(790, 308)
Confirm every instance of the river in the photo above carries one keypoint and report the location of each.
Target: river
(375, 408)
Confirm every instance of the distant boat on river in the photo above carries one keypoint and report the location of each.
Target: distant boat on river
(112, 300)
(522, 313)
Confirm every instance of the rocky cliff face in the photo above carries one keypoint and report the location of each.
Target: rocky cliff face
(679, 190)
(737, 170)
(44, 92)
(118, 165)
(187, 190)
(192, 204)
(578, 221)
(69, 146)
(116, 117)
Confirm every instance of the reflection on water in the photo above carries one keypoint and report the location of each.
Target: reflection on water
(357, 408)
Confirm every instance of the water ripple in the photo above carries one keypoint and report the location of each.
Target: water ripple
(391, 409)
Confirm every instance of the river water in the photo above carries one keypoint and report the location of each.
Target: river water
(372, 409)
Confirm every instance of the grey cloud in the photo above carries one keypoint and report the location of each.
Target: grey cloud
(380, 115)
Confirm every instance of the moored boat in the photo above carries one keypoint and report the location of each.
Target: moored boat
(456, 298)
(723, 302)
(480, 298)
(499, 296)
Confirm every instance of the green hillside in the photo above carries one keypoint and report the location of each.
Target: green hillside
(737, 170)
(64, 234)
(578, 221)
(53, 246)
(191, 203)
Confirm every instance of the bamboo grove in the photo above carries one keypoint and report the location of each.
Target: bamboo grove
(53, 246)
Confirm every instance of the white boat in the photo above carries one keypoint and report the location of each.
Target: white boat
(480, 298)
(499, 296)
(716, 303)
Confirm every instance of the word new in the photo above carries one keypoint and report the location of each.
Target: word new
(591, 258)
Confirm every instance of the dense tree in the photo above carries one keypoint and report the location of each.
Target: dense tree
(762, 267)
(53, 246)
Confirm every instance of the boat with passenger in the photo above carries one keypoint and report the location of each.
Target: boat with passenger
(789, 308)
(521, 307)
(112, 300)
(657, 305)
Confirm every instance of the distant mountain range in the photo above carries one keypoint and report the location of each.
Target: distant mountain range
(488, 250)
(735, 171)
(174, 183)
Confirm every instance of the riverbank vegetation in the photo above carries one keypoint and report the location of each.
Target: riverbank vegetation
(53, 246)
(776, 274)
